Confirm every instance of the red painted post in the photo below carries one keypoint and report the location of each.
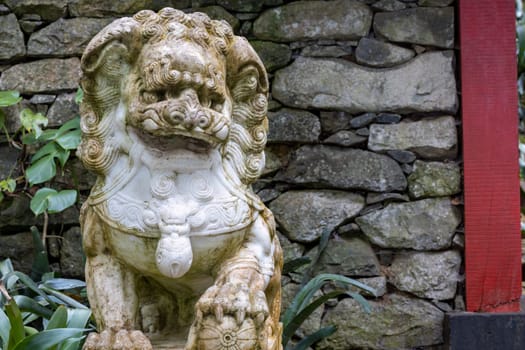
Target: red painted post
(490, 150)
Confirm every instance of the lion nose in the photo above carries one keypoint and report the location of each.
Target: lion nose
(189, 119)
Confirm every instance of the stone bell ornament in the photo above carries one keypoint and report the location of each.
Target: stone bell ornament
(181, 254)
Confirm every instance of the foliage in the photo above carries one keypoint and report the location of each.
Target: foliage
(40, 315)
(305, 302)
(51, 147)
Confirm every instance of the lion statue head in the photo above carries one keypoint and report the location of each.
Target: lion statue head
(180, 78)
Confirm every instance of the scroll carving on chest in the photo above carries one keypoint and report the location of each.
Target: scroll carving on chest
(181, 254)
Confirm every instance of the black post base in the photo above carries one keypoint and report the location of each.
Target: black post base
(484, 331)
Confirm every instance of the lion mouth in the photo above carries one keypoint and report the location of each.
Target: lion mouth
(172, 142)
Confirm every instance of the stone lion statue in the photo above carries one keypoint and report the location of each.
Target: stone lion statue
(181, 254)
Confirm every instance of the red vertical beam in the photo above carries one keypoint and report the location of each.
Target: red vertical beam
(490, 150)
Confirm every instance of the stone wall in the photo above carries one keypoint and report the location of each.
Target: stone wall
(363, 144)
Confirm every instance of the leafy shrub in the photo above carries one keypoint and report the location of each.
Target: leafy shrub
(40, 315)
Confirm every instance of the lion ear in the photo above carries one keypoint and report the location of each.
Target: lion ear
(248, 85)
(242, 57)
(105, 62)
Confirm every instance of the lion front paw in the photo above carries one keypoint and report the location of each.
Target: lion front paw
(239, 300)
(121, 340)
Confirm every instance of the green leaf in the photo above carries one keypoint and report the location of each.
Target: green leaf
(61, 200)
(69, 140)
(68, 301)
(9, 98)
(303, 297)
(2, 119)
(59, 319)
(361, 300)
(79, 96)
(17, 332)
(313, 338)
(48, 135)
(48, 338)
(78, 318)
(62, 156)
(5, 328)
(32, 121)
(39, 203)
(30, 330)
(50, 149)
(29, 283)
(72, 124)
(43, 170)
(27, 304)
(1, 199)
(8, 185)
(294, 264)
(64, 283)
(291, 327)
(40, 260)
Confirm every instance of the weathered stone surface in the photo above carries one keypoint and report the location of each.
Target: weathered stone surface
(291, 250)
(402, 156)
(63, 109)
(65, 37)
(324, 51)
(345, 138)
(43, 76)
(272, 163)
(388, 118)
(395, 322)
(436, 3)
(376, 53)
(11, 38)
(241, 5)
(218, 13)
(389, 5)
(102, 8)
(310, 20)
(304, 215)
(8, 161)
(431, 275)
(372, 198)
(273, 55)
(363, 120)
(378, 283)
(268, 194)
(19, 248)
(427, 224)
(29, 26)
(349, 257)
(42, 99)
(333, 121)
(434, 179)
(71, 255)
(292, 125)
(344, 168)
(425, 84)
(48, 10)
(428, 138)
(424, 26)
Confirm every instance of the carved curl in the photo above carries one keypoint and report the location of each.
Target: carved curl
(113, 54)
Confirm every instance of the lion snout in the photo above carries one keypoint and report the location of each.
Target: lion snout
(189, 119)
